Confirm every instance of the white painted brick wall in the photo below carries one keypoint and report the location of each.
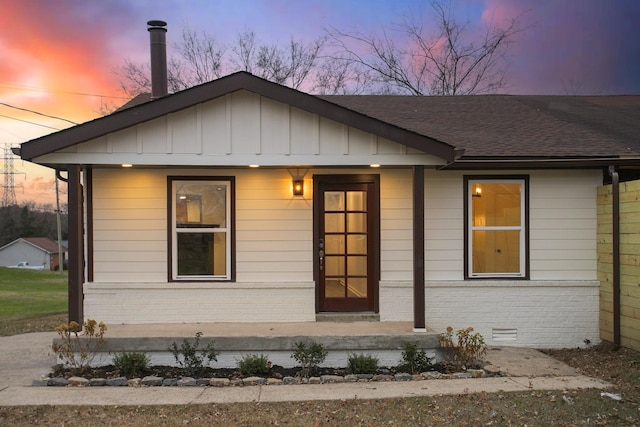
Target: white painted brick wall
(552, 314)
(546, 314)
(137, 303)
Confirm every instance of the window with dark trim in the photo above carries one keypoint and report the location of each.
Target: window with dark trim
(201, 228)
(496, 227)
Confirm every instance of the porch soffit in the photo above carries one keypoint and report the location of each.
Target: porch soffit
(38, 149)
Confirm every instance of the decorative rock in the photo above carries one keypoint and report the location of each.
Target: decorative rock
(203, 381)
(97, 382)
(314, 380)
(431, 375)
(134, 382)
(78, 382)
(274, 381)
(219, 382)
(350, 378)
(117, 382)
(289, 380)
(461, 375)
(169, 382)
(382, 378)
(364, 376)
(403, 376)
(327, 379)
(254, 381)
(476, 373)
(57, 382)
(40, 382)
(236, 382)
(186, 382)
(151, 381)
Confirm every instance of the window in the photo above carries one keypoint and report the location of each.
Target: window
(496, 230)
(201, 228)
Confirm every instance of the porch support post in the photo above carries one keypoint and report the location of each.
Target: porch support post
(419, 324)
(76, 247)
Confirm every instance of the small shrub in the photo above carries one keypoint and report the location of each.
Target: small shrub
(362, 364)
(191, 358)
(252, 364)
(131, 364)
(415, 360)
(78, 349)
(467, 351)
(309, 355)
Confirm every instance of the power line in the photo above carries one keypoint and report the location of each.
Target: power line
(27, 121)
(38, 113)
(35, 89)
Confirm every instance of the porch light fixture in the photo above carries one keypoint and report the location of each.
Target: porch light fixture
(298, 186)
(254, 166)
(375, 165)
(126, 165)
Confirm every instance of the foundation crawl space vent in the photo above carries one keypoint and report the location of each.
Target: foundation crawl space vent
(502, 335)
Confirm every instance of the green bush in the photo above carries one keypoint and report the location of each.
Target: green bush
(191, 358)
(252, 364)
(362, 364)
(309, 355)
(131, 364)
(415, 360)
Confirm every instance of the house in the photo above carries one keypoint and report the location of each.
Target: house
(37, 251)
(241, 200)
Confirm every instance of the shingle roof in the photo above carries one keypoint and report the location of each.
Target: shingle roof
(487, 127)
(43, 243)
(514, 126)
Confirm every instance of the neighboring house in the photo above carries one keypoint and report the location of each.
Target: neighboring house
(34, 250)
(241, 200)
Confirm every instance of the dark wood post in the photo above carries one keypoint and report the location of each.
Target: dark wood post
(76, 247)
(418, 249)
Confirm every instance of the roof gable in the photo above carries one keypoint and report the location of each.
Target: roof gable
(129, 117)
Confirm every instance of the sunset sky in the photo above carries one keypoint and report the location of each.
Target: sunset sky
(59, 56)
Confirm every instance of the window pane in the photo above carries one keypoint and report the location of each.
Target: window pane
(356, 222)
(195, 253)
(496, 251)
(334, 244)
(201, 205)
(357, 244)
(334, 288)
(334, 265)
(357, 288)
(357, 266)
(334, 201)
(496, 204)
(356, 201)
(334, 223)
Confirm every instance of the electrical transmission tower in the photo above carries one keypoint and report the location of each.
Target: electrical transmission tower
(9, 193)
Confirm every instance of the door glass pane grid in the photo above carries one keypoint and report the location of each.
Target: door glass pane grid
(346, 244)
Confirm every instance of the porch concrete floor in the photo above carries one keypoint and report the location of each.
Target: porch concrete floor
(310, 329)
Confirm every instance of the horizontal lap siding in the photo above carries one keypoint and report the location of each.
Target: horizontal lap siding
(129, 225)
(563, 218)
(396, 225)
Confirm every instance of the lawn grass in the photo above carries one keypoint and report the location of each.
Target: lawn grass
(31, 300)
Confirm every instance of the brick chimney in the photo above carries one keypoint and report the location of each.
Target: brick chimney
(157, 34)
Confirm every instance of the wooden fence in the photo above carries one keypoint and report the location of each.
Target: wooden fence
(629, 263)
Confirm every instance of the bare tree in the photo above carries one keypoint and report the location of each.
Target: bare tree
(447, 63)
(290, 67)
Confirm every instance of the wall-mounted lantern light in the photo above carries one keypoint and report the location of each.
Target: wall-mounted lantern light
(298, 186)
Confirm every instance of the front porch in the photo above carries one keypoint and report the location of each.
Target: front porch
(384, 340)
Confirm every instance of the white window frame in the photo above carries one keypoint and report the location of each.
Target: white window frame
(471, 184)
(175, 230)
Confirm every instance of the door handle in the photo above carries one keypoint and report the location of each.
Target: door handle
(321, 253)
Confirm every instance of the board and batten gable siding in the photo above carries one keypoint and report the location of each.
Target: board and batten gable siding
(239, 129)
